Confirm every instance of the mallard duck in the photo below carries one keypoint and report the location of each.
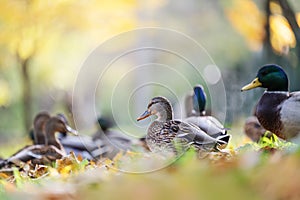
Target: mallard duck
(195, 102)
(165, 133)
(38, 127)
(277, 110)
(208, 124)
(81, 145)
(253, 129)
(36, 134)
(114, 141)
(43, 154)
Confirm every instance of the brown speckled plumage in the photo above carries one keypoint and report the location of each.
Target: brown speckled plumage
(161, 135)
(168, 134)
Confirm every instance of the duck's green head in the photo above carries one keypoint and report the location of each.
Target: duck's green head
(270, 76)
(199, 99)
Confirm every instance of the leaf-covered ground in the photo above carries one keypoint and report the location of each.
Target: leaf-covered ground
(268, 170)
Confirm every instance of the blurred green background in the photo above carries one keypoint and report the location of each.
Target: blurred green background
(44, 43)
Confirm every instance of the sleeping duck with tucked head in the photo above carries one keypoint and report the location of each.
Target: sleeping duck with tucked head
(278, 110)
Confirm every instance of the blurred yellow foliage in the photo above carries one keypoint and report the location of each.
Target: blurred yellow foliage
(298, 18)
(27, 25)
(275, 8)
(282, 37)
(5, 95)
(248, 20)
(57, 34)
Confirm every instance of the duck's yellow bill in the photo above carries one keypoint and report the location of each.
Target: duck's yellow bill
(144, 115)
(254, 84)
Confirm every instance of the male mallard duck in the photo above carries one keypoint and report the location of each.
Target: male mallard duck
(165, 131)
(43, 154)
(277, 110)
(208, 124)
(195, 102)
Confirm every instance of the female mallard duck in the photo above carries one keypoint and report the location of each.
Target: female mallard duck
(196, 116)
(43, 154)
(38, 127)
(166, 133)
(253, 129)
(277, 110)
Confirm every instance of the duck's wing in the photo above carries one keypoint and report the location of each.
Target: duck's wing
(119, 139)
(183, 135)
(113, 143)
(48, 154)
(84, 153)
(38, 154)
(84, 143)
(205, 141)
(290, 115)
(208, 124)
(170, 136)
(199, 136)
(25, 154)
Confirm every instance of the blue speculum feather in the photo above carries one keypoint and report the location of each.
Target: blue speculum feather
(199, 99)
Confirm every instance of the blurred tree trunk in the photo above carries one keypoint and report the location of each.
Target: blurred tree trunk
(26, 92)
(291, 66)
(267, 43)
(289, 14)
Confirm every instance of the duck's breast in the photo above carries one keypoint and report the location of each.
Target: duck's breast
(268, 111)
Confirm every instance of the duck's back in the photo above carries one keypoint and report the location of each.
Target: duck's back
(208, 124)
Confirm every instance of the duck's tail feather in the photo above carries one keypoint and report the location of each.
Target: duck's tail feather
(223, 140)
